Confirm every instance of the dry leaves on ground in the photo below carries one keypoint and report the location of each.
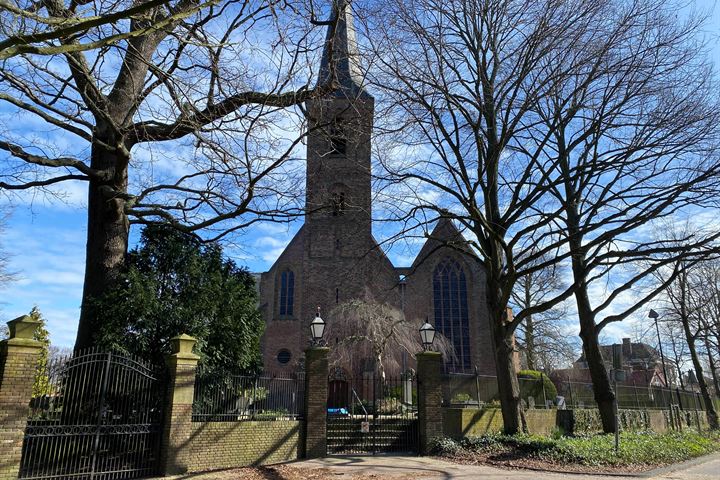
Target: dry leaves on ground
(285, 472)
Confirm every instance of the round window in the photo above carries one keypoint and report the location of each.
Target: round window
(284, 356)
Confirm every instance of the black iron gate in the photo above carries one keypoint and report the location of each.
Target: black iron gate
(94, 415)
(372, 415)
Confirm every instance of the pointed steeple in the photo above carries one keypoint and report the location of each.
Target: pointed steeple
(344, 50)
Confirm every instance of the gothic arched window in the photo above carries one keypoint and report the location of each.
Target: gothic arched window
(451, 309)
(287, 293)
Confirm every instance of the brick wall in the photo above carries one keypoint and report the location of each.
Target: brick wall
(463, 422)
(219, 445)
(197, 446)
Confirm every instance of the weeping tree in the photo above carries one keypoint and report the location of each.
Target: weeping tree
(185, 113)
(365, 333)
(551, 132)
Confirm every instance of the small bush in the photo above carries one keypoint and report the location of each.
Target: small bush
(461, 397)
(444, 446)
(531, 385)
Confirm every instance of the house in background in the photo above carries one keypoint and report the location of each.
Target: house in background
(641, 363)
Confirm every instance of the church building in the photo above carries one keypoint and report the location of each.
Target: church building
(334, 257)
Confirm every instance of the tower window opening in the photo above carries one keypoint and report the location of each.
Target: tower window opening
(338, 141)
(337, 295)
(338, 204)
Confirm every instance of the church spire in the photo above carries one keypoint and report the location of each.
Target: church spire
(344, 52)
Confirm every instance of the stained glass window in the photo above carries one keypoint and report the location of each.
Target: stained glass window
(287, 293)
(451, 309)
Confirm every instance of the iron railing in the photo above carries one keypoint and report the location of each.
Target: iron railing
(94, 415)
(371, 415)
(468, 389)
(220, 397)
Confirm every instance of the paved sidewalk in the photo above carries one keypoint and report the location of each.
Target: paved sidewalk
(423, 468)
(700, 469)
(419, 468)
(433, 468)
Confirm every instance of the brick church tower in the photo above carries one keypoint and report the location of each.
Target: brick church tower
(334, 257)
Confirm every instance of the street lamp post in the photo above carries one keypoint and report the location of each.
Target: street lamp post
(654, 315)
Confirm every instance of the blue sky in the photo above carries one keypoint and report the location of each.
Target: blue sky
(46, 243)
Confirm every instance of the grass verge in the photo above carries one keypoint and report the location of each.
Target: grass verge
(637, 449)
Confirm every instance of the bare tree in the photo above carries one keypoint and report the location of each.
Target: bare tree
(672, 334)
(460, 81)
(542, 336)
(185, 121)
(36, 27)
(709, 315)
(552, 132)
(685, 304)
(365, 333)
(634, 141)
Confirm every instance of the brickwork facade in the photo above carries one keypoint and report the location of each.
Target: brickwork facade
(335, 258)
(18, 364)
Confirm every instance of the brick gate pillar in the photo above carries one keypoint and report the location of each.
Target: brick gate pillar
(429, 368)
(18, 364)
(182, 365)
(316, 396)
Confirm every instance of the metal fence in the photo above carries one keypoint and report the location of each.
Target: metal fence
(372, 415)
(467, 389)
(580, 395)
(94, 414)
(234, 398)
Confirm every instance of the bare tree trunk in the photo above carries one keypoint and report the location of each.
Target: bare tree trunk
(711, 364)
(508, 386)
(604, 395)
(529, 332)
(107, 236)
(709, 407)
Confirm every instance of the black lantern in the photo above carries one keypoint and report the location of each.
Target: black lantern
(317, 328)
(427, 335)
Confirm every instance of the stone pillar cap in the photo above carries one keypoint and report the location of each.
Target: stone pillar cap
(183, 344)
(23, 327)
(428, 355)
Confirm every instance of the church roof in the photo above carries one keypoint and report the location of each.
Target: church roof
(444, 233)
(343, 49)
